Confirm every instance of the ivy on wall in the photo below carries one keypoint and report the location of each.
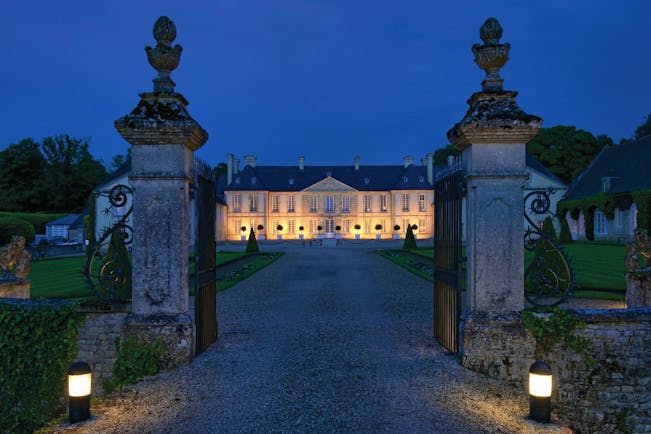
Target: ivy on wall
(607, 202)
(38, 343)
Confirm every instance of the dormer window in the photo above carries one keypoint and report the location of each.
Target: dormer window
(253, 180)
(237, 180)
(405, 179)
(367, 181)
(328, 173)
(421, 179)
(606, 184)
(291, 181)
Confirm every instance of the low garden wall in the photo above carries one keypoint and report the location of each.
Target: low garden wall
(96, 343)
(605, 385)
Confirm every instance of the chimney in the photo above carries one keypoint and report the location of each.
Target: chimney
(356, 159)
(407, 161)
(430, 168)
(236, 166)
(301, 163)
(229, 169)
(249, 160)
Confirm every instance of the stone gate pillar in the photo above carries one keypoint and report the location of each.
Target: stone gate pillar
(163, 137)
(492, 137)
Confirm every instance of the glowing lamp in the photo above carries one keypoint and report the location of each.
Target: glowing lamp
(79, 381)
(540, 392)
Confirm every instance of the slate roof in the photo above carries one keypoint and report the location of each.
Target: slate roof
(534, 164)
(629, 164)
(367, 178)
(64, 221)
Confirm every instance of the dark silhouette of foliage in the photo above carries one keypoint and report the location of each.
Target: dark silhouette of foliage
(20, 227)
(252, 243)
(22, 177)
(441, 155)
(565, 237)
(410, 241)
(548, 229)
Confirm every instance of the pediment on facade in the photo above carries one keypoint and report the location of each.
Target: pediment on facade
(329, 184)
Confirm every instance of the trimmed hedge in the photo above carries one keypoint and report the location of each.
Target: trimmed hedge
(16, 226)
(548, 229)
(565, 236)
(410, 240)
(252, 243)
(38, 343)
(38, 220)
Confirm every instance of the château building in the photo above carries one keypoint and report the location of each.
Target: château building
(303, 201)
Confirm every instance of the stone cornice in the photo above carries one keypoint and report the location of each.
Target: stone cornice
(494, 117)
(161, 118)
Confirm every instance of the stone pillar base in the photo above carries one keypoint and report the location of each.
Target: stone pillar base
(638, 291)
(497, 346)
(177, 332)
(15, 289)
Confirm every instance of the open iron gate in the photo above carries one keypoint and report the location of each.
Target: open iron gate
(204, 277)
(448, 257)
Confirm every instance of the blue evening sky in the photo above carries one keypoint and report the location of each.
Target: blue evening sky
(327, 79)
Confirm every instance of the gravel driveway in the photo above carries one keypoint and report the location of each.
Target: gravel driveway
(322, 340)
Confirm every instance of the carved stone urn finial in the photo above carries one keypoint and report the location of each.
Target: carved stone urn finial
(491, 55)
(164, 58)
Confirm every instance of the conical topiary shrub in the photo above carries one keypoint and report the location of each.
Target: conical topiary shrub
(410, 241)
(252, 243)
(565, 236)
(548, 229)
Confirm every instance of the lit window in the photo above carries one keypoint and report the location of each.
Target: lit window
(237, 203)
(253, 202)
(290, 204)
(329, 204)
(290, 226)
(367, 226)
(367, 203)
(330, 226)
(274, 226)
(405, 202)
(313, 203)
(383, 203)
(274, 204)
(312, 226)
(421, 225)
(345, 204)
(236, 226)
(421, 202)
(346, 226)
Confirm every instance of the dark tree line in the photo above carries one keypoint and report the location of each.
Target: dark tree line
(56, 175)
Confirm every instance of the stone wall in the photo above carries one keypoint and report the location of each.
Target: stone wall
(15, 289)
(97, 342)
(611, 395)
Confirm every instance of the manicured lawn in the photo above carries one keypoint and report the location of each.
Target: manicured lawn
(62, 277)
(599, 269)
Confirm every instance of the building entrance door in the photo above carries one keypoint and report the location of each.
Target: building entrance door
(330, 228)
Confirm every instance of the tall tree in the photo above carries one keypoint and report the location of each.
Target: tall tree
(644, 129)
(219, 169)
(71, 174)
(22, 172)
(441, 155)
(566, 151)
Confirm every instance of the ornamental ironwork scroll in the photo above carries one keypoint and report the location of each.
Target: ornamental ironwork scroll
(549, 279)
(108, 265)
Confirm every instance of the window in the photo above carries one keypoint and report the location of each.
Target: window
(383, 203)
(329, 225)
(290, 226)
(236, 226)
(329, 204)
(421, 202)
(345, 204)
(405, 202)
(253, 225)
(274, 204)
(274, 227)
(237, 203)
(405, 225)
(253, 202)
(346, 226)
(367, 203)
(367, 226)
(618, 217)
(605, 184)
(290, 204)
(384, 226)
(313, 203)
(599, 222)
(312, 226)
(422, 224)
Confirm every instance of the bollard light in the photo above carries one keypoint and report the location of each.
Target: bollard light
(540, 392)
(79, 380)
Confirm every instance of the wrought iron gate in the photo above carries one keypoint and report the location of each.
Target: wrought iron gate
(448, 257)
(204, 277)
